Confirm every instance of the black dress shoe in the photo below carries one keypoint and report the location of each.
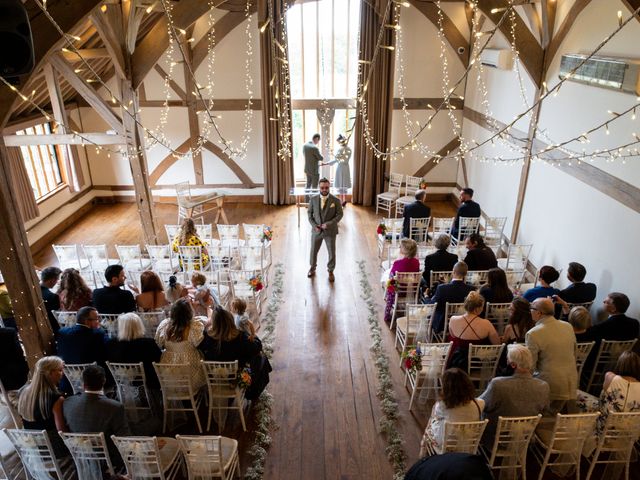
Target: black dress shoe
(332, 277)
(311, 273)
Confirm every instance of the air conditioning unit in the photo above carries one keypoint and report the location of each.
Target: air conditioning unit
(497, 58)
(613, 73)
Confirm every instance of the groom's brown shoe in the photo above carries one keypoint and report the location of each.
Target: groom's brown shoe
(332, 277)
(311, 273)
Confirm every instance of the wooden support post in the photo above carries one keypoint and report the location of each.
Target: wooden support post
(194, 125)
(16, 265)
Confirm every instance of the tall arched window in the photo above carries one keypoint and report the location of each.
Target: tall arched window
(323, 62)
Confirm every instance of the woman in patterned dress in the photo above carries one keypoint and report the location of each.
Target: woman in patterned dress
(342, 180)
(188, 237)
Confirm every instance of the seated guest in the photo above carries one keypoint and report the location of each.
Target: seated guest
(519, 395)
(547, 275)
(6, 310)
(13, 365)
(407, 263)
(553, 349)
(113, 299)
(131, 346)
(580, 320)
(40, 402)
(201, 297)
(83, 342)
(468, 329)
(578, 291)
(453, 292)
(450, 466)
(74, 292)
(175, 290)
(479, 256)
(440, 260)
(179, 335)
(496, 290)
(48, 279)
(238, 308)
(457, 404)
(188, 237)
(467, 208)
(151, 296)
(617, 326)
(223, 342)
(417, 209)
(520, 321)
(92, 412)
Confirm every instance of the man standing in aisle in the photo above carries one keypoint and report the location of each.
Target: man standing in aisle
(312, 159)
(325, 211)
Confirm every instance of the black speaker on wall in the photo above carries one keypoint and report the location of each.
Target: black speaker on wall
(16, 43)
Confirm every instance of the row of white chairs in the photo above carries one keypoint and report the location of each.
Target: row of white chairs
(560, 446)
(161, 458)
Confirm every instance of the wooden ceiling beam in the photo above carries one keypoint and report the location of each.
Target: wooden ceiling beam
(431, 163)
(548, 9)
(633, 5)
(87, 54)
(571, 17)
(106, 24)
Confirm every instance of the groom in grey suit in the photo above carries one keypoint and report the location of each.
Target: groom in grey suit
(325, 211)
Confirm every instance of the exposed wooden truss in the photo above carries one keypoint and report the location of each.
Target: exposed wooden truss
(430, 164)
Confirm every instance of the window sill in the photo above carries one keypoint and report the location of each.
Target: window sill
(52, 193)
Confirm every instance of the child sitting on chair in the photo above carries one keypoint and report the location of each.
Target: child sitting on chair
(201, 297)
(239, 308)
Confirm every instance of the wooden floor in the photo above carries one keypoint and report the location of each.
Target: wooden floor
(324, 381)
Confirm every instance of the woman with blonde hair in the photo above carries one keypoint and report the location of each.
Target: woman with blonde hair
(470, 328)
(131, 346)
(151, 296)
(40, 401)
(408, 263)
(188, 237)
(73, 291)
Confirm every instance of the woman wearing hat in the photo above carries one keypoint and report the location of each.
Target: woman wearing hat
(342, 180)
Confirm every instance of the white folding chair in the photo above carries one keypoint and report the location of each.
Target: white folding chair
(161, 258)
(65, 318)
(412, 185)
(172, 232)
(441, 225)
(109, 321)
(483, 363)
(493, 230)
(131, 385)
(514, 278)
(439, 277)
(419, 229)
(35, 450)
(99, 261)
(253, 258)
(498, 314)
(509, 451)
(621, 431)
(222, 386)
(582, 353)
(517, 258)
(8, 404)
(563, 445)
(428, 379)
(477, 278)
(386, 200)
(145, 459)
(151, 320)
(191, 258)
(10, 464)
(450, 310)
(73, 372)
(240, 288)
(606, 359)
(90, 454)
(462, 437)
(253, 233)
(69, 257)
(178, 392)
(131, 258)
(204, 230)
(229, 235)
(414, 326)
(466, 226)
(210, 456)
(406, 291)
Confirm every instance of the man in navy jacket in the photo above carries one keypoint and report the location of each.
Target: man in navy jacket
(417, 209)
(453, 292)
(467, 208)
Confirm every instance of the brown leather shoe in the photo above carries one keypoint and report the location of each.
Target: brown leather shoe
(332, 277)
(311, 273)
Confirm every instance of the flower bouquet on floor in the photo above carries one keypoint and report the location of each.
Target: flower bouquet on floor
(255, 283)
(267, 234)
(382, 229)
(391, 285)
(412, 359)
(244, 378)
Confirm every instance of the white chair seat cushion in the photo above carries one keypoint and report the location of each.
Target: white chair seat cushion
(406, 199)
(401, 324)
(168, 451)
(387, 196)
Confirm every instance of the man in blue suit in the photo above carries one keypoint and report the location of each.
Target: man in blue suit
(467, 208)
(453, 292)
(417, 209)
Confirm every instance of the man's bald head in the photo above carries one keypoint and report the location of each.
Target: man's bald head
(544, 306)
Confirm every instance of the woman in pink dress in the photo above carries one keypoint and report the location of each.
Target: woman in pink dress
(408, 263)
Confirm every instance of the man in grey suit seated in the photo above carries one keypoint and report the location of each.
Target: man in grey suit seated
(312, 159)
(325, 211)
(92, 412)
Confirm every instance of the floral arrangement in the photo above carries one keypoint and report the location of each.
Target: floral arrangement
(244, 378)
(382, 229)
(255, 283)
(391, 285)
(423, 185)
(267, 234)
(412, 360)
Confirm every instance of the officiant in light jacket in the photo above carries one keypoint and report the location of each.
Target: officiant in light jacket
(325, 211)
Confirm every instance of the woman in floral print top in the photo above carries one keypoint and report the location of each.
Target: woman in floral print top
(187, 236)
